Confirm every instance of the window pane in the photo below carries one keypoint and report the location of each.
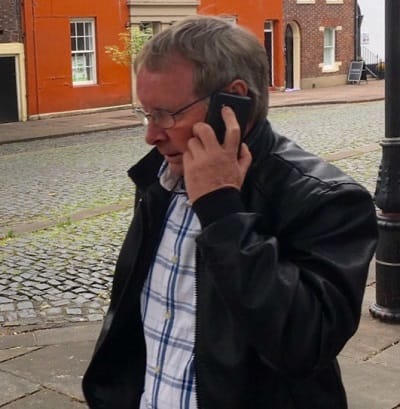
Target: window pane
(80, 44)
(329, 37)
(329, 46)
(88, 43)
(79, 29)
(88, 29)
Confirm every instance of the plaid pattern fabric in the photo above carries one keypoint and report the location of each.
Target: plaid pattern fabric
(168, 311)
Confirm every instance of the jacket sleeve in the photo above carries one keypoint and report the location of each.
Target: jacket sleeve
(296, 293)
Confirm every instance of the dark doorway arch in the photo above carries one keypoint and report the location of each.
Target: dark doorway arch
(8, 90)
(289, 57)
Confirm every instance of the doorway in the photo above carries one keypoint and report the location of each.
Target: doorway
(8, 90)
(289, 83)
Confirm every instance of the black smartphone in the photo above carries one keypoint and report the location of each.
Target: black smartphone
(241, 106)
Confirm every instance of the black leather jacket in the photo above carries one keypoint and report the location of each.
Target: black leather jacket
(281, 271)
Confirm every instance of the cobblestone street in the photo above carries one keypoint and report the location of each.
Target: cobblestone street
(79, 188)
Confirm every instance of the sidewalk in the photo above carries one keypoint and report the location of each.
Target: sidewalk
(123, 118)
(41, 368)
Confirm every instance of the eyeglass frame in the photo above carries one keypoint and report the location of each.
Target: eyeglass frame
(145, 117)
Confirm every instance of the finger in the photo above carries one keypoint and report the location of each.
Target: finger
(205, 133)
(232, 134)
(245, 156)
(194, 144)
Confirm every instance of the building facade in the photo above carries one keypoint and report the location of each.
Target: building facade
(319, 42)
(67, 67)
(153, 16)
(53, 52)
(265, 19)
(310, 43)
(12, 63)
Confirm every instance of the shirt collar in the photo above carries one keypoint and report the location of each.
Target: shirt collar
(170, 181)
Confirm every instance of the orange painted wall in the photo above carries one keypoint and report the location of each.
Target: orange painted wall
(48, 55)
(252, 14)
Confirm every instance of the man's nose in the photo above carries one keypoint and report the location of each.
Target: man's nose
(154, 134)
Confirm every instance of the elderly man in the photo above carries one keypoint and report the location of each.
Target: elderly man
(242, 274)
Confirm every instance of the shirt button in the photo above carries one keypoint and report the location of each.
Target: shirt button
(174, 259)
(157, 370)
(167, 315)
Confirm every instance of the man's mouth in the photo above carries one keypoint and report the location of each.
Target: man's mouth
(172, 156)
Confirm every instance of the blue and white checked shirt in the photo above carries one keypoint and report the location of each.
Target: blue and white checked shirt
(168, 308)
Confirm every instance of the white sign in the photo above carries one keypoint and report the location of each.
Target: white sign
(364, 38)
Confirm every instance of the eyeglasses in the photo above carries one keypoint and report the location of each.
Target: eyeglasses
(161, 117)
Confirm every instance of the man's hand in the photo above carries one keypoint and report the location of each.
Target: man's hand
(209, 166)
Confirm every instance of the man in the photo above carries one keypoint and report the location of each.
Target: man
(242, 275)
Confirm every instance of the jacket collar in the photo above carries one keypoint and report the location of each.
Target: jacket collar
(145, 172)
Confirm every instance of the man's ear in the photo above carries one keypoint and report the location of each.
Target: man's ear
(238, 87)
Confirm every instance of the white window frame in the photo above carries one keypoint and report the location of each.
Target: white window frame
(334, 1)
(83, 51)
(329, 47)
(332, 65)
(305, 1)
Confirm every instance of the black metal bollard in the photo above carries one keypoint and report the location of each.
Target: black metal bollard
(387, 195)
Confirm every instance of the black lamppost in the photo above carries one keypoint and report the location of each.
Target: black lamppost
(387, 306)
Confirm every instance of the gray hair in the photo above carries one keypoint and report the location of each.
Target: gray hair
(220, 52)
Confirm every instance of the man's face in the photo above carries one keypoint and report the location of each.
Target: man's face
(170, 90)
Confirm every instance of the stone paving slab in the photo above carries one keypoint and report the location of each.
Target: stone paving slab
(14, 387)
(14, 352)
(56, 367)
(389, 358)
(372, 336)
(370, 385)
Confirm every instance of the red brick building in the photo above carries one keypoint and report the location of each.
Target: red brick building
(318, 42)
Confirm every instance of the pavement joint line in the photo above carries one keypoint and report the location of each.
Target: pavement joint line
(22, 397)
(69, 133)
(383, 349)
(348, 153)
(52, 388)
(26, 228)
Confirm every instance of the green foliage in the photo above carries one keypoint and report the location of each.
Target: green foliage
(132, 41)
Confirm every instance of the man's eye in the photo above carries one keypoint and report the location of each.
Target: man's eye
(160, 115)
